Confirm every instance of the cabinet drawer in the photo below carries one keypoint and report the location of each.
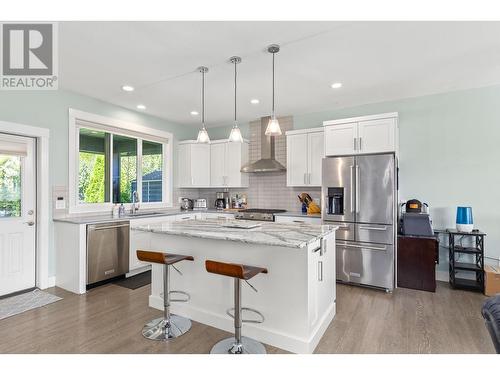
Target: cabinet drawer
(375, 233)
(298, 220)
(368, 264)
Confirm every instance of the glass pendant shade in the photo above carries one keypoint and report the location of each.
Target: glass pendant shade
(273, 126)
(203, 136)
(235, 135)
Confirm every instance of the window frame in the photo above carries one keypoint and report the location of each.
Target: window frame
(79, 119)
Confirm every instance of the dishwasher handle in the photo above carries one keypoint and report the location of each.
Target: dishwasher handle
(94, 227)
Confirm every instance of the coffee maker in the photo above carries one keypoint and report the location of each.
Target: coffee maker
(222, 200)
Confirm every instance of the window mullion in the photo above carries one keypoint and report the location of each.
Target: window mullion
(139, 168)
(111, 167)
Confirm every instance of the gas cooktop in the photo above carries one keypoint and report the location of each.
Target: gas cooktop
(263, 214)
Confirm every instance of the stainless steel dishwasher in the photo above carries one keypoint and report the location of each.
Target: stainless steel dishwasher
(107, 250)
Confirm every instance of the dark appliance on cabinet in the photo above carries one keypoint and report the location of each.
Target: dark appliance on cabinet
(359, 195)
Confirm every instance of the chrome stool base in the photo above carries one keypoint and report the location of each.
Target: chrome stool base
(157, 329)
(247, 346)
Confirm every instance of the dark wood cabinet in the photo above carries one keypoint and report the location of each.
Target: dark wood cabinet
(417, 257)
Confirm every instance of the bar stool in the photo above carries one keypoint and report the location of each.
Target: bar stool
(169, 326)
(237, 344)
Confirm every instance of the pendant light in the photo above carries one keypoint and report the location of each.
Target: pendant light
(203, 134)
(235, 135)
(273, 127)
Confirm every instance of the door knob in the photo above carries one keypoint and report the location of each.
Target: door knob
(30, 223)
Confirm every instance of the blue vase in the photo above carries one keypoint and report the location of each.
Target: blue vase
(465, 222)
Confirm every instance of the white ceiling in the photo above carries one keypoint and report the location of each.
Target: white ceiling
(375, 61)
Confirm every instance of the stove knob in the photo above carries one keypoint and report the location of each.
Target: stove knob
(251, 216)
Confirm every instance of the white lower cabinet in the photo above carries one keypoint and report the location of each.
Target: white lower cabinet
(216, 215)
(298, 219)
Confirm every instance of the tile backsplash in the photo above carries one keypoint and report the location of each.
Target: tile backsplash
(266, 190)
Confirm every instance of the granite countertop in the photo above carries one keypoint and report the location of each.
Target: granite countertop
(268, 233)
(297, 214)
(94, 219)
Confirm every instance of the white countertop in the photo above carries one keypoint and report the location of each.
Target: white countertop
(94, 219)
(268, 233)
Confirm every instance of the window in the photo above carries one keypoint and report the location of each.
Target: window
(152, 171)
(10, 186)
(112, 162)
(124, 168)
(93, 185)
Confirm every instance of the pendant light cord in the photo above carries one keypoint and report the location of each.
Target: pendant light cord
(235, 91)
(273, 83)
(203, 98)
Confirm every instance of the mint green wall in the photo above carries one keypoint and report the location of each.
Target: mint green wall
(449, 153)
(49, 109)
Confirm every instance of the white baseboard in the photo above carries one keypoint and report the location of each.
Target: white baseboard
(442, 275)
(51, 281)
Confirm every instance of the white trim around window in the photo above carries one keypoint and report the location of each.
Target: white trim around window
(79, 119)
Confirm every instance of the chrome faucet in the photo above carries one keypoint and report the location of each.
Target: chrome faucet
(135, 202)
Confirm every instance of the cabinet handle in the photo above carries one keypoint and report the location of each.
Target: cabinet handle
(309, 178)
(305, 178)
(320, 270)
(298, 221)
(360, 144)
(354, 139)
(185, 218)
(192, 180)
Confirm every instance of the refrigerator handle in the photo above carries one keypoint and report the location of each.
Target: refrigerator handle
(357, 188)
(351, 190)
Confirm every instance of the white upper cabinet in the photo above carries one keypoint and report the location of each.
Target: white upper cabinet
(362, 135)
(305, 149)
(226, 160)
(236, 157)
(216, 164)
(341, 139)
(377, 135)
(194, 164)
(296, 161)
(217, 158)
(315, 153)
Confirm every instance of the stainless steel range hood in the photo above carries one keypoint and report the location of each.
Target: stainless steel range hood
(267, 161)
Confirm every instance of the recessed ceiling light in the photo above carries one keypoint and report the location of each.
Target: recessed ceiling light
(336, 85)
(127, 88)
(255, 101)
(194, 113)
(141, 106)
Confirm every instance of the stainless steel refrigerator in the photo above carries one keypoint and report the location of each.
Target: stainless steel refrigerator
(359, 194)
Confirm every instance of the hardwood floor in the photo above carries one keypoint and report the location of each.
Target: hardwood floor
(109, 319)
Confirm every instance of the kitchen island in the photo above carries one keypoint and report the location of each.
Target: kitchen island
(297, 296)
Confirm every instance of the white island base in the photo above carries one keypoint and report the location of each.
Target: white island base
(296, 297)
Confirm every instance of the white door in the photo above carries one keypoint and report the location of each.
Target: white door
(200, 165)
(377, 135)
(217, 164)
(17, 213)
(316, 153)
(296, 163)
(233, 163)
(341, 139)
(184, 157)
